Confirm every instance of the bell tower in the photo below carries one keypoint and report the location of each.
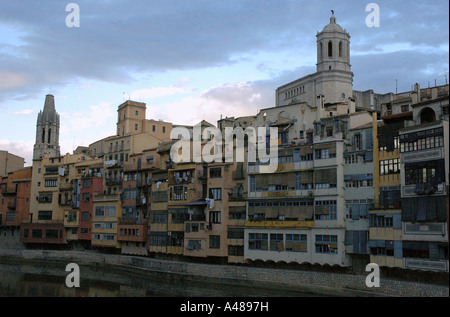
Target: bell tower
(47, 130)
(333, 48)
(334, 75)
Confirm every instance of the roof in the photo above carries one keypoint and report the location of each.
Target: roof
(398, 115)
(430, 101)
(332, 26)
(364, 126)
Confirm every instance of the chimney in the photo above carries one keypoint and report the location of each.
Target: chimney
(434, 93)
(417, 96)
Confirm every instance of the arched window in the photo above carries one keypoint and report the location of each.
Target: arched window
(43, 135)
(321, 50)
(49, 135)
(340, 49)
(427, 115)
(330, 49)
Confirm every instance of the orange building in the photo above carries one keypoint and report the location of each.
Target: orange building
(15, 189)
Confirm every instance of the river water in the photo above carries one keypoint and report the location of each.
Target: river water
(48, 280)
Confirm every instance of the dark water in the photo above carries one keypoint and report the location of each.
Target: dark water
(48, 280)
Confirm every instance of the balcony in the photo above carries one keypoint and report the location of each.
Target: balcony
(393, 205)
(47, 233)
(279, 224)
(111, 181)
(425, 265)
(133, 230)
(431, 188)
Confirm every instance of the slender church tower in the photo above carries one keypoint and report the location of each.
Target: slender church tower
(335, 77)
(47, 130)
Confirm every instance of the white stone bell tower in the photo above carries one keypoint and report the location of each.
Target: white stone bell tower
(334, 75)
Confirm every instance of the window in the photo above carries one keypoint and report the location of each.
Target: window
(330, 49)
(178, 192)
(105, 211)
(405, 108)
(159, 218)
(85, 197)
(275, 239)
(137, 112)
(329, 131)
(284, 137)
(164, 129)
(296, 242)
(214, 216)
(214, 242)
(153, 128)
(358, 143)
(215, 172)
(252, 183)
(136, 126)
(44, 215)
(51, 182)
(340, 49)
(325, 210)
(36, 233)
(388, 167)
(298, 181)
(86, 183)
(326, 244)
(309, 137)
(257, 241)
(85, 216)
(322, 154)
(215, 193)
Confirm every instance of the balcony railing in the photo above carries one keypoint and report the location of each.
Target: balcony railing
(130, 221)
(426, 265)
(378, 206)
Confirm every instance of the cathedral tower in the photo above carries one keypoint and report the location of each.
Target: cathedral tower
(334, 75)
(47, 130)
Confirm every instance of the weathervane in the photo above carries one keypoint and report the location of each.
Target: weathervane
(332, 12)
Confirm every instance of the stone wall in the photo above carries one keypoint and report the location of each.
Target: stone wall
(317, 282)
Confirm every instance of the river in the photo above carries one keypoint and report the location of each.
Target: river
(48, 280)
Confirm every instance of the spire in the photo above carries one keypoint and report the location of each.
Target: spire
(332, 19)
(47, 130)
(49, 112)
(49, 104)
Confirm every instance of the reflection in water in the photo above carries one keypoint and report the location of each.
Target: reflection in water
(48, 280)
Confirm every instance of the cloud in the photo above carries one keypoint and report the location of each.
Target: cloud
(157, 92)
(23, 112)
(119, 38)
(20, 148)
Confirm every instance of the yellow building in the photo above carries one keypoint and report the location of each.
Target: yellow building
(50, 200)
(385, 227)
(107, 209)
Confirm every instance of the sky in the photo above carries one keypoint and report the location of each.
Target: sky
(193, 60)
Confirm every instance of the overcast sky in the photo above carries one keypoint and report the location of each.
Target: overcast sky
(190, 60)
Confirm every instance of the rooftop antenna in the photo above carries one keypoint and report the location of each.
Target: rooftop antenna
(396, 84)
(123, 96)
